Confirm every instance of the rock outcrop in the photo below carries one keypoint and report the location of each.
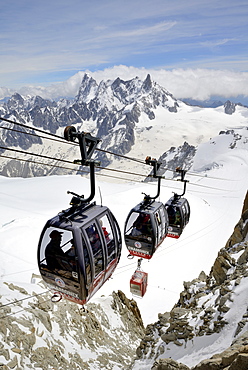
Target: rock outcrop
(67, 336)
(202, 310)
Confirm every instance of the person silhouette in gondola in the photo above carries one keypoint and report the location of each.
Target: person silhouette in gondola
(54, 252)
(71, 255)
(137, 230)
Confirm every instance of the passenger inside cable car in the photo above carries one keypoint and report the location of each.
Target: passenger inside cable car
(77, 255)
(145, 229)
(178, 213)
(142, 226)
(58, 253)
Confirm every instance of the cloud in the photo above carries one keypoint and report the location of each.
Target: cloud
(42, 43)
(186, 83)
(151, 30)
(182, 83)
(211, 44)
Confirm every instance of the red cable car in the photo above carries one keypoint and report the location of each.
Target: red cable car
(138, 282)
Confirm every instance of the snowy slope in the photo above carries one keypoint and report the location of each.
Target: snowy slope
(215, 197)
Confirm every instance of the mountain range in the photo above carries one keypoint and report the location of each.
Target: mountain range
(134, 117)
(195, 308)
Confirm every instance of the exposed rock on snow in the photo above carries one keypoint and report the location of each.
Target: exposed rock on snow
(207, 307)
(65, 336)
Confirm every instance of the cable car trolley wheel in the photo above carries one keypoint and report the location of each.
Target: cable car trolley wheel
(68, 133)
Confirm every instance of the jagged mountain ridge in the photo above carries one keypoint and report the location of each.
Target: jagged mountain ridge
(108, 110)
(124, 114)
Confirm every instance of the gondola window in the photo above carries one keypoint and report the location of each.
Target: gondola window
(96, 246)
(87, 264)
(57, 250)
(109, 238)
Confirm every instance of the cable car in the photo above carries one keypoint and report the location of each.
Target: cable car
(138, 282)
(146, 225)
(178, 210)
(80, 247)
(145, 229)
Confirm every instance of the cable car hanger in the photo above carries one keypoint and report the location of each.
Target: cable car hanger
(182, 173)
(87, 144)
(153, 162)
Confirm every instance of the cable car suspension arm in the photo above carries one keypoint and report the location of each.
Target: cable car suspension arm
(87, 144)
(139, 264)
(153, 162)
(182, 173)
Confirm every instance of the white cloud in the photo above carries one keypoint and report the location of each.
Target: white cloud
(182, 83)
(42, 42)
(185, 83)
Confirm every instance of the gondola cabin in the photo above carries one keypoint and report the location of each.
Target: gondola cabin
(145, 229)
(79, 250)
(138, 283)
(178, 210)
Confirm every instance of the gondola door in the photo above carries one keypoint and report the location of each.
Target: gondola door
(140, 236)
(111, 240)
(102, 245)
(58, 263)
(161, 222)
(96, 256)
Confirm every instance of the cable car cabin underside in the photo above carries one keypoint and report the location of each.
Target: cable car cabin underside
(178, 210)
(145, 229)
(79, 250)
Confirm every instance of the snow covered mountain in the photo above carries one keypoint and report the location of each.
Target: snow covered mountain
(189, 315)
(133, 117)
(190, 321)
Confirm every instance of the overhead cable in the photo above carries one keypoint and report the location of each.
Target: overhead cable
(57, 138)
(86, 172)
(22, 299)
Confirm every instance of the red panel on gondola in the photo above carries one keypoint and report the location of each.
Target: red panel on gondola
(138, 283)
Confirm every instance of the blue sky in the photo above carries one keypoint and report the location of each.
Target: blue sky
(43, 42)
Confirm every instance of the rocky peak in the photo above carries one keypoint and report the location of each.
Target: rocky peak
(147, 84)
(229, 107)
(87, 90)
(16, 102)
(126, 91)
(42, 103)
(181, 156)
